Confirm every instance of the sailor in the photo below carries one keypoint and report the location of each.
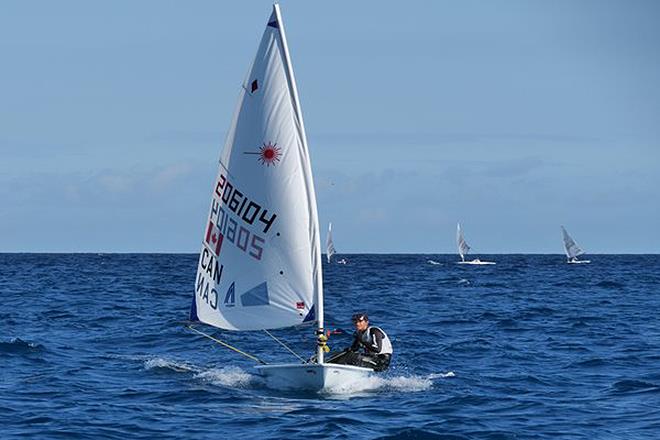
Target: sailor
(376, 346)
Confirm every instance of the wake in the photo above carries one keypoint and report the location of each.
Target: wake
(407, 384)
(230, 376)
(166, 364)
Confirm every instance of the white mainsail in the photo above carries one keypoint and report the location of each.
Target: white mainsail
(329, 245)
(260, 262)
(463, 247)
(570, 246)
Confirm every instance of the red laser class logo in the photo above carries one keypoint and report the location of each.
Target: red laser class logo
(269, 154)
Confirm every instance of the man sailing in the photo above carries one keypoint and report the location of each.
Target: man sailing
(374, 342)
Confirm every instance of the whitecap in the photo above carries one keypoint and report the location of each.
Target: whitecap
(19, 345)
(229, 377)
(413, 383)
(158, 362)
(409, 383)
(442, 375)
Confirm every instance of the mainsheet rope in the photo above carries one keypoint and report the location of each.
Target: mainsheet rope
(224, 344)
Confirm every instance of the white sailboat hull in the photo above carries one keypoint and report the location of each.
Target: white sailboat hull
(476, 262)
(312, 377)
(579, 261)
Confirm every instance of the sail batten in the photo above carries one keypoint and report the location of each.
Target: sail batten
(260, 262)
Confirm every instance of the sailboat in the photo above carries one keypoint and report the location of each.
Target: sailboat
(464, 248)
(330, 248)
(260, 262)
(572, 249)
(329, 245)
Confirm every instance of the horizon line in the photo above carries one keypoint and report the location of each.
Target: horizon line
(342, 253)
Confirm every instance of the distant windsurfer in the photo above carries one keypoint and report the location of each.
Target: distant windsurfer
(374, 342)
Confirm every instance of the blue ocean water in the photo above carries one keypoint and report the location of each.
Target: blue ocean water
(93, 346)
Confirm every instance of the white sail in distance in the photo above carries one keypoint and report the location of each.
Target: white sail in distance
(260, 261)
(463, 247)
(329, 245)
(570, 246)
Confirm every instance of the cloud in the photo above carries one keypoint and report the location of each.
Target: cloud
(182, 137)
(169, 175)
(101, 187)
(116, 183)
(416, 138)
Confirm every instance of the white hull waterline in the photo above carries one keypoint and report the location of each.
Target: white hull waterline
(477, 262)
(312, 377)
(579, 261)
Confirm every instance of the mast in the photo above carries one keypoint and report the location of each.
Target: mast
(316, 242)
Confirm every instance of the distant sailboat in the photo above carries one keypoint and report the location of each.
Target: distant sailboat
(329, 245)
(464, 248)
(260, 263)
(330, 248)
(571, 248)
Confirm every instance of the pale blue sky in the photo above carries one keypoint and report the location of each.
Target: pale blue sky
(513, 117)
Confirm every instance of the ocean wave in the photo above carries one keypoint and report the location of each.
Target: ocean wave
(537, 311)
(494, 285)
(579, 324)
(457, 321)
(589, 363)
(478, 345)
(632, 386)
(159, 363)
(414, 434)
(610, 284)
(18, 346)
(569, 284)
(508, 323)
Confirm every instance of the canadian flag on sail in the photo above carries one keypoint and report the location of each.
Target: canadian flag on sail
(214, 238)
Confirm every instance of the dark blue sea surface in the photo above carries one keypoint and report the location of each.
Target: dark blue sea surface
(94, 346)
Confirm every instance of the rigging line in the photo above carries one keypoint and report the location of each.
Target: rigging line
(285, 346)
(224, 344)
